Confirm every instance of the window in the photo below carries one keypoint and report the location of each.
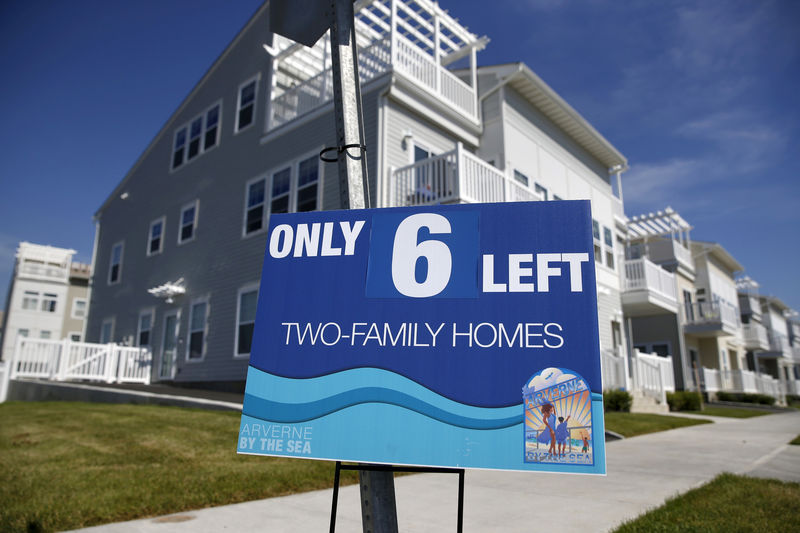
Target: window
(23, 332)
(107, 331)
(281, 189)
(30, 300)
(246, 107)
(198, 314)
(254, 216)
(609, 242)
(49, 302)
(307, 181)
(557, 197)
(245, 319)
(44, 334)
(155, 240)
(74, 337)
(194, 138)
(595, 229)
(79, 308)
(145, 328)
(607, 237)
(115, 264)
(520, 177)
(188, 223)
(541, 190)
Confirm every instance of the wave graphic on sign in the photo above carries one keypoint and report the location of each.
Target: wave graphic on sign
(294, 400)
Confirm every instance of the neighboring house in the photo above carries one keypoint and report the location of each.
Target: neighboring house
(42, 297)
(658, 277)
(778, 358)
(179, 242)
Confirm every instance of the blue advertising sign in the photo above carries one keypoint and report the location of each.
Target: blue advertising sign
(450, 336)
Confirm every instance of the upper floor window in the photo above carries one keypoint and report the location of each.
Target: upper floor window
(541, 190)
(254, 215)
(45, 334)
(246, 106)
(198, 315)
(522, 178)
(281, 189)
(78, 308)
(30, 300)
(155, 237)
(115, 264)
(188, 225)
(199, 135)
(49, 302)
(307, 181)
(245, 319)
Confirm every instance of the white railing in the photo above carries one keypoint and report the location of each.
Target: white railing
(44, 271)
(755, 336)
(643, 274)
(712, 312)
(653, 375)
(711, 380)
(64, 360)
(778, 342)
(614, 371)
(743, 381)
(682, 254)
(455, 176)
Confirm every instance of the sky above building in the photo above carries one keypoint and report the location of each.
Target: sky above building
(701, 97)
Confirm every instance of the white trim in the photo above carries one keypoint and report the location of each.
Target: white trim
(200, 300)
(121, 244)
(257, 80)
(112, 320)
(147, 311)
(250, 287)
(85, 309)
(264, 217)
(177, 314)
(163, 220)
(193, 204)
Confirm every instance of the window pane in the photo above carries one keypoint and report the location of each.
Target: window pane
(520, 177)
(308, 171)
(186, 232)
(280, 205)
(194, 148)
(188, 216)
(281, 182)
(247, 306)
(144, 338)
(177, 159)
(156, 230)
(196, 345)
(180, 138)
(307, 199)
(248, 93)
(255, 219)
(607, 236)
(255, 194)
(610, 260)
(197, 127)
(212, 117)
(198, 316)
(420, 154)
(45, 334)
(245, 338)
(211, 138)
(155, 245)
(596, 229)
(245, 116)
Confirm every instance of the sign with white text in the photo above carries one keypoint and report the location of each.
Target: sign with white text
(457, 336)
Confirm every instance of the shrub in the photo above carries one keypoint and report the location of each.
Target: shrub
(763, 399)
(617, 400)
(683, 401)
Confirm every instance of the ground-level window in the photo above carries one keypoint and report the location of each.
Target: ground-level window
(245, 319)
(44, 334)
(254, 216)
(188, 223)
(107, 331)
(198, 316)
(115, 264)
(145, 328)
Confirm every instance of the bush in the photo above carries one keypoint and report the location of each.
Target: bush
(617, 400)
(793, 400)
(683, 401)
(763, 399)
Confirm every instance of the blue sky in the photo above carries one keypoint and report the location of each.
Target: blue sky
(700, 96)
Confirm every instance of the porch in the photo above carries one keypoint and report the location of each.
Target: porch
(647, 376)
(711, 319)
(456, 176)
(648, 288)
(755, 337)
(742, 381)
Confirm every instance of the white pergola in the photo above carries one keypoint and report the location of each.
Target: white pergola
(660, 224)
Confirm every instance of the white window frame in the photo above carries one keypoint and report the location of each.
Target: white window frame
(192, 304)
(121, 245)
(254, 79)
(196, 205)
(32, 296)
(73, 312)
(526, 183)
(265, 207)
(49, 297)
(187, 128)
(111, 320)
(294, 175)
(149, 311)
(163, 221)
(250, 287)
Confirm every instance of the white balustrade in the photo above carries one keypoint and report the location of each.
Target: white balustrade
(643, 274)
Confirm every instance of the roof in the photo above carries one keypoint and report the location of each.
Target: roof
(721, 254)
(523, 80)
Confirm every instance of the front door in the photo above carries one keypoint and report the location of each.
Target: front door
(169, 345)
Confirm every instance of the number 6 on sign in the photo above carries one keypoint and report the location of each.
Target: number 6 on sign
(406, 252)
(423, 255)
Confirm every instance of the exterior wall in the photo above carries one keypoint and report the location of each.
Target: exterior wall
(77, 289)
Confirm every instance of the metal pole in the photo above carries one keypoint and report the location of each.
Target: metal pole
(352, 156)
(378, 505)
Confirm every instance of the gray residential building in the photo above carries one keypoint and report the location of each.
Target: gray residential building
(179, 242)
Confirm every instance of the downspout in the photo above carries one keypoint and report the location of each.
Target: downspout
(91, 277)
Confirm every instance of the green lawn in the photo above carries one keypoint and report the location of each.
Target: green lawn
(68, 465)
(728, 503)
(732, 412)
(632, 424)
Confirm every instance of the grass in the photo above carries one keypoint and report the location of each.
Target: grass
(632, 424)
(68, 465)
(796, 440)
(731, 412)
(728, 503)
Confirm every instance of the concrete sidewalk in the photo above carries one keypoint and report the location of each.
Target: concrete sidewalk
(643, 472)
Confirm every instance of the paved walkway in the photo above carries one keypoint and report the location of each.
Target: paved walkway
(643, 472)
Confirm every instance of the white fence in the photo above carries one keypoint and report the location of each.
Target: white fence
(651, 374)
(745, 381)
(644, 274)
(454, 176)
(63, 360)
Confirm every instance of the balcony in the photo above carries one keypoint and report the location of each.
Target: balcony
(648, 289)
(44, 271)
(664, 251)
(778, 346)
(755, 337)
(745, 381)
(454, 177)
(710, 319)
